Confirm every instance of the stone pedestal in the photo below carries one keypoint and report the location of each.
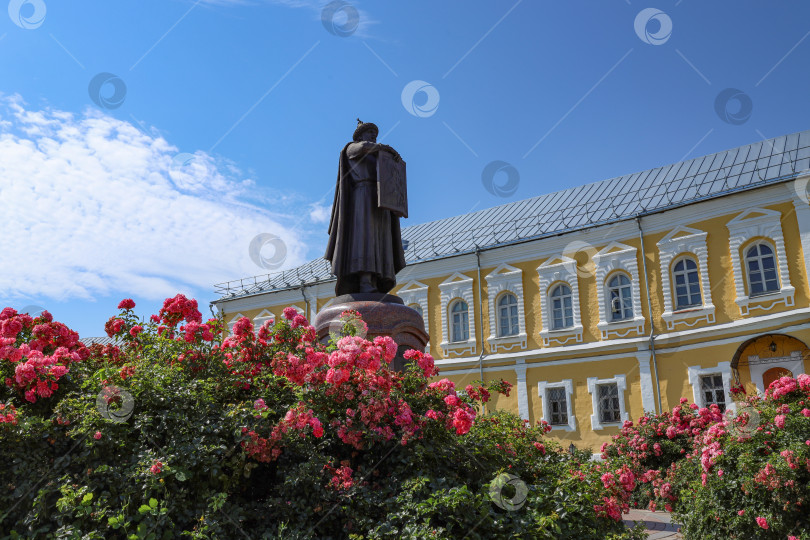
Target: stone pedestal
(384, 314)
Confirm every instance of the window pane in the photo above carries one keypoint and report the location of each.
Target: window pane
(557, 406)
(712, 390)
(609, 410)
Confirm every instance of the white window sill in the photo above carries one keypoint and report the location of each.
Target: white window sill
(621, 329)
(562, 336)
(689, 316)
(458, 347)
(598, 425)
(563, 427)
(507, 342)
(784, 295)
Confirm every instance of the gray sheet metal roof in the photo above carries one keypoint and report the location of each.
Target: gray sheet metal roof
(655, 190)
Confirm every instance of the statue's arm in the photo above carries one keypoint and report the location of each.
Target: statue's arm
(361, 148)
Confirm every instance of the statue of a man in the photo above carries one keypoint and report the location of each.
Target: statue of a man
(365, 243)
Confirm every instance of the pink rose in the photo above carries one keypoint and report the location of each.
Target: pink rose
(97, 436)
(126, 303)
(762, 522)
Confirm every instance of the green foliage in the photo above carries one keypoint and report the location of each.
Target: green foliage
(172, 461)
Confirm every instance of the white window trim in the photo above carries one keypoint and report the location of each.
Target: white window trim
(691, 241)
(457, 287)
(694, 373)
(415, 292)
(618, 257)
(568, 385)
(233, 322)
(259, 319)
(794, 362)
(553, 271)
(504, 279)
(621, 385)
(742, 229)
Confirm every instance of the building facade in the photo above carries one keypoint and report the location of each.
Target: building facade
(601, 302)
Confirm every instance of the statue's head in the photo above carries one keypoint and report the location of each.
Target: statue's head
(365, 127)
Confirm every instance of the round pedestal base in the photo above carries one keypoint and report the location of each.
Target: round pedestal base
(384, 314)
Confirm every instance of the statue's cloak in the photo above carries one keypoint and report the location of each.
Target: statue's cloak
(362, 236)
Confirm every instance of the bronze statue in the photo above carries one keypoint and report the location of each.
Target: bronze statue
(365, 242)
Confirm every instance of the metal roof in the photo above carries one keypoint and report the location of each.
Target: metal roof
(616, 199)
(100, 341)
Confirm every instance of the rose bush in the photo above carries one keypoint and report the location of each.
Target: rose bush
(173, 431)
(742, 474)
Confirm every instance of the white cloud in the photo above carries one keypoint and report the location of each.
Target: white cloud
(319, 213)
(90, 206)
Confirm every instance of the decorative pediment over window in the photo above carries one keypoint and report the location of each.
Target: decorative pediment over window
(766, 224)
(416, 293)
(617, 257)
(505, 279)
(556, 270)
(457, 287)
(259, 319)
(233, 321)
(685, 241)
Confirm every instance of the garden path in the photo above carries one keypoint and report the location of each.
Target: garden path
(659, 524)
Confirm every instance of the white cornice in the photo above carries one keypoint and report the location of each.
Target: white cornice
(753, 324)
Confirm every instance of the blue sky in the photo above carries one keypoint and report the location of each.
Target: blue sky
(221, 120)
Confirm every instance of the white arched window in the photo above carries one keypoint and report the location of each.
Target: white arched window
(508, 324)
(562, 311)
(687, 284)
(459, 321)
(761, 265)
(621, 298)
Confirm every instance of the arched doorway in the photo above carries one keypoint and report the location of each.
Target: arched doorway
(773, 374)
(761, 360)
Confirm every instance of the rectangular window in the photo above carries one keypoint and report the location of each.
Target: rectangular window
(609, 410)
(558, 406)
(711, 386)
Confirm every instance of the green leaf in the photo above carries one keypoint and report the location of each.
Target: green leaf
(87, 498)
(144, 509)
(180, 476)
(153, 503)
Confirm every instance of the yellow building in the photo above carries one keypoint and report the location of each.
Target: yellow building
(607, 300)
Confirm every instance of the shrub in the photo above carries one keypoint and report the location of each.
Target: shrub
(270, 434)
(653, 444)
(743, 474)
(750, 473)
